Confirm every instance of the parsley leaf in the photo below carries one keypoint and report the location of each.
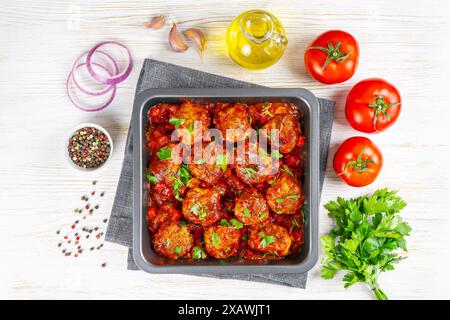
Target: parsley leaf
(176, 122)
(293, 196)
(152, 178)
(266, 240)
(366, 239)
(221, 161)
(287, 170)
(247, 213)
(237, 224)
(199, 211)
(178, 250)
(215, 240)
(198, 253)
(250, 171)
(276, 154)
(165, 153)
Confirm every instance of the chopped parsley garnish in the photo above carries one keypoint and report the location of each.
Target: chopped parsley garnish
(152, 178)
(178, 250)
(261, 216)
(265, 110)
(182, 179)
(176, 122)
(294, 224)
(198, 253)
(167, 242)
(236, 224)
(250, 171)
(165, 153)
(244, 237)
(247, 213)
(266, 240)
(279, 200)
(221, 161)
(224, 223)
(293, 196)
(262, 152)
(191, 128)
(215, 240)
(199, 211)
(287, 170)
(276, 154)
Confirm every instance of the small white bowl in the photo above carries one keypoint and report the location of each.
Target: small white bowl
(66, 144)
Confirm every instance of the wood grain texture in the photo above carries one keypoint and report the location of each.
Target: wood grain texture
(401, 41)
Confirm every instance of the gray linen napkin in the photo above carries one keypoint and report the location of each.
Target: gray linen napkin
(156, 74)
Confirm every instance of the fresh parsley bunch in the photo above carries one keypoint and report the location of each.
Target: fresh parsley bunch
(366, 238)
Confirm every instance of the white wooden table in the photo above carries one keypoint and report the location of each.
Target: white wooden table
(405, 42)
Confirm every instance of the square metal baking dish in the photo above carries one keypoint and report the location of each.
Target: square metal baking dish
(147, 259)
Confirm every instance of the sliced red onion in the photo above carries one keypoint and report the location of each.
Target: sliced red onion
(84, 107)
(113, 79)
(77, 66)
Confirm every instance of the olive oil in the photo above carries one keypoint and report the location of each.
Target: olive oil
(256, 39)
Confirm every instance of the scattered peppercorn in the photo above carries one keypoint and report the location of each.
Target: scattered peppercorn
(96, 207)
(103, 264)
(102, 194)
(94, 182)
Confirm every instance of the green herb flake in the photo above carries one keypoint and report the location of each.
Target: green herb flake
(279, 200)
(247, 213)
(250, 171)
(215, 240)
(176, 122)
(165, 153)
(224, 223)
(266, 111)
(293, 196)
(199, 211)
(152, 178)
(198, 253)
(366, 240)
(178, 250)
(191, 128)
(237, 224)
(266, 240)
(167, 242)
(276, 154)
(221, 161)
(288, 171)
(262, 215)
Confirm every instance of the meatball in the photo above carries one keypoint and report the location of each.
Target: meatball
(202, 206)
(211, 167)
(166, 213)
(184, 119)
(222, 242)
(235, 119)
(255, 166)
(285, 194)
(173, 241)
(165, 163)
(269, 238)
(251, 207)
(289, 131)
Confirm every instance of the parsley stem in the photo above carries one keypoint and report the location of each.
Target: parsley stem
(379, 294)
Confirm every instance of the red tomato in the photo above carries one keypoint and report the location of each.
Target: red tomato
(332, 57)
(373, 105)
(358, 161)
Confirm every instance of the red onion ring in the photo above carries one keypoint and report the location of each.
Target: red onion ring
(76, 65)
(80, 106)
(114, 79)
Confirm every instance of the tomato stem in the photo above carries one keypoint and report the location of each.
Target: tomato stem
(381, 107)
(332, 52)
(359, 165)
